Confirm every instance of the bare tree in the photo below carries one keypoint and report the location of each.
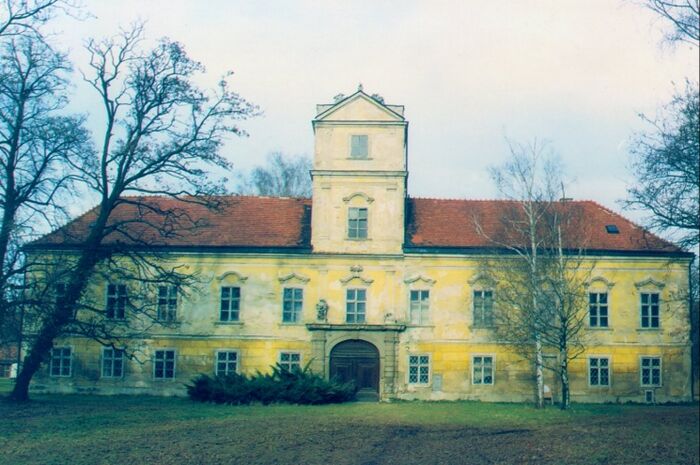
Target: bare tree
(25, 17)
(162, 133)
(684, 16)
(283, 176)
(541, 275)
(667, 167)
(37, 140)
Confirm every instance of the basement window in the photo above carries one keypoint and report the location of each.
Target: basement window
(612, 229)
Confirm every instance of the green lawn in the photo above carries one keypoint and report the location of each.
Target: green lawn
(148, 430)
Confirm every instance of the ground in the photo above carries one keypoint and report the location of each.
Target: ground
(133, 430)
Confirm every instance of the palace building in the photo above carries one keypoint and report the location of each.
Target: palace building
(363, 282)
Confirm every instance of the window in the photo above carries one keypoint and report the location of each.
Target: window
(5, 369)
(226, 362)
(598, 309)
(482, 369)
(483, 308)
(290, 361)
(651, 371)
(650, 310)
(599, 371)
(116, 301)
(112, 363)
(359, 146)
(164, 364)
(420, 303)
(355, 305)
(60, 362)
(357, 223)
(292, 304)
(418, 369)
(61, 289)
(230, 303)
(167, 303)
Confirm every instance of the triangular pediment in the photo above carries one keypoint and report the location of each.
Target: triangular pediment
(358, 107)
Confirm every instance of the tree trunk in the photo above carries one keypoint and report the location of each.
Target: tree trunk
(62, 312)
(539, 373)
(564, 377)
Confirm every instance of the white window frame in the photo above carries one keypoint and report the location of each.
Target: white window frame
(289, 362)
(116, 296)
(295, 316)
(357, 228)
(481, 323)
(423, 307)
(355, 302)
(169, 303)
(609, 368)
(155, 361)
(493, 369)
(230, 302)
(597, 305)
(227, 361)
(419, 365)
(641, 371)
(658, 310)
(366, 155)
(113, 359)
(62, 359)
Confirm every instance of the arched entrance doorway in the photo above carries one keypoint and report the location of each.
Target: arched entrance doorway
(357, 361)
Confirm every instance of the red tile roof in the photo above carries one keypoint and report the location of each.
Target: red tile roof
(482, 223)
(268, 222)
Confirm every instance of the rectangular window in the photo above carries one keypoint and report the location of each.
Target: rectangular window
(116, 301)
(164, 364)
(650, 371)
(598, 309)
(230, 303)
(167, 303)
(60, 362)
(112, 363)
(292, 303)
(290, 361)
(418, 369)
(650, 310)
(61, 289)
(357, 223)
(355, 305)
(483, 308)
(359, 146)
(226, 362)
(420, 304)
(482, 369)
(599, 371)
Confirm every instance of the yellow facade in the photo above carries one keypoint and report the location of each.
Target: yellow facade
(387, 273)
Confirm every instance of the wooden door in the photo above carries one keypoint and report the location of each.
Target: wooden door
(356, 361)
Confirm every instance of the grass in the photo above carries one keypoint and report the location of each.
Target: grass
(123, 430)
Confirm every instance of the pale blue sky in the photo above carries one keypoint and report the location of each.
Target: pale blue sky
(470, 73)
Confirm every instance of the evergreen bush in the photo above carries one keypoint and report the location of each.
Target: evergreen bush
(296, 386)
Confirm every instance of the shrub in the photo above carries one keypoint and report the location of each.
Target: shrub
(298, 386)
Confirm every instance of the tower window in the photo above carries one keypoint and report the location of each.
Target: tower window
(359, 146)
(357, 223)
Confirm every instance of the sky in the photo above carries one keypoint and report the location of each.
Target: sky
(471, 75)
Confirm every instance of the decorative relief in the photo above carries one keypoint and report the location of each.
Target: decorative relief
(294, 276)
(601, 280)
(367, 198)
(232, 275)
(649, 282)
(420, 277)
(483, 278)
(322, 310)
(355, 273)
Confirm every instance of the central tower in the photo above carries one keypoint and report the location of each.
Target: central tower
(359, 176)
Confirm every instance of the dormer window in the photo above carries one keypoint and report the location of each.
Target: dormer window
(359, 146)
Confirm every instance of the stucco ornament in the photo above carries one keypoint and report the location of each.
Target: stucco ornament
(322, 310)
